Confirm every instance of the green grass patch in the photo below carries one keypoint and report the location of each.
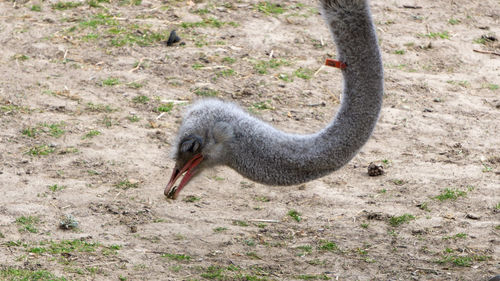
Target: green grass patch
(55, 129)
(96, 3)
(111, 81)
(399, 220)
(312, 277)
(126, 184)
(229, 60)
(450, 194)
(41, 150)
(249, 242)
(91, 134)
(435, 35)
(107, 121)
(64, 247)
(15, 274)
(295, 215)
(262, 199)
(253, 255)
(167, 107)
(111, 250)
(68, 246)
(220, 229)
(20, 57)
(462, 261)
(205, 92)
(493, 87)
(209, 22)
(130, 36)
(453, 21)
(303, 250)
(90, 37)
(325, 245)
(14, 108)
(176, 257)
(27, 224)
(285, 77)
(130, 2)
(240, 223)
(269, 8)
(99, 108)
(65, 5)
(56, 187)
(263, 105)
(398, 181)
(424, 206)
(482, 40)
(201, 11)
(213, 272)
(456, 236)
(133, 118)
(141, 99)
(226, 73)
(118, 35)
(36, 8)
(304, 73)
(30, 132)
(135, 85)
(262, 66)
(197, 65)
(99, 20)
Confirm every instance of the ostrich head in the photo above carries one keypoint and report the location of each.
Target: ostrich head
(202, 142)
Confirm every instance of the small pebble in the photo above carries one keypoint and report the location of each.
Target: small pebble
(472, 217)
(133, 228)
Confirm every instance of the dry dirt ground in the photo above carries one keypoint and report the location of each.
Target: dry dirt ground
(91, 97)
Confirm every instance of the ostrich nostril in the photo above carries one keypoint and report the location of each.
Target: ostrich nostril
(191, 144)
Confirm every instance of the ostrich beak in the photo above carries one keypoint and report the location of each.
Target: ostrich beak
(172, 191)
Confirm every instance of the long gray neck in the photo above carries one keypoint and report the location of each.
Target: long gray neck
(267, 155)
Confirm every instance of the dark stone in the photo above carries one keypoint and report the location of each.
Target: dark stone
(173, 38)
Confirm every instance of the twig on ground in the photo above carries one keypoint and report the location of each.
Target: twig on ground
(412, 7)
(160, 116)
(138, 65)
(263, 220)
(118, 194)
(175, 101)
(486, 52)
(214, 67)
(319, 69)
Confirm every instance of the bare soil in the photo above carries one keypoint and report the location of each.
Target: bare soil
(91, 97)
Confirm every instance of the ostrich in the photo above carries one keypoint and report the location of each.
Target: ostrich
(215, 132)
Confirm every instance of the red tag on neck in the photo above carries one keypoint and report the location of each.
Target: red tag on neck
(335, 63)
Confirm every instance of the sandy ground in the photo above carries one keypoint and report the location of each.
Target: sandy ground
(86, 125)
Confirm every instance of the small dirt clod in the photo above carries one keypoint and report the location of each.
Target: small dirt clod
(375, 170)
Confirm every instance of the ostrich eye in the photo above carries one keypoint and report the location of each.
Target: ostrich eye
(191, 144)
